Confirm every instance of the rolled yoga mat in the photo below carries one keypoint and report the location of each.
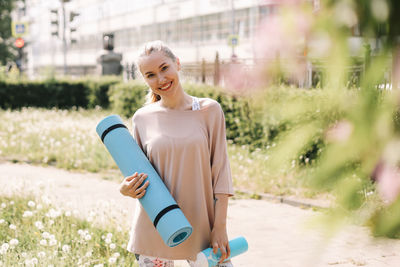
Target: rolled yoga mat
(207, 258)
(158, 203)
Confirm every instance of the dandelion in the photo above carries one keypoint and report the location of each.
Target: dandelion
(88, 237)
(66, 248)
(3, 205)
(31, 204)
(11, 202)
(43, 242)
(13, 227)
(39, 206)
(14, 242)
(39, 225)
(112, 246)
(108, 240)
(112, 260)
(51, 222)
(2, 221)
(99, 265)
(52, 242)
(41, 254)
(88, 254)
(23, 254)
(46, 235)
(116, 255)
(27, 213)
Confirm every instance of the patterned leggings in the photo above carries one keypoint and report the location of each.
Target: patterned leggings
(147, 261)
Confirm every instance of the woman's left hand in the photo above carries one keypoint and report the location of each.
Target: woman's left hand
(219, 240)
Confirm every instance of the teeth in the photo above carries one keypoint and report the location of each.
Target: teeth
(165, 87)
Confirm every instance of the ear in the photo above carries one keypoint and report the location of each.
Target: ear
(178, 64)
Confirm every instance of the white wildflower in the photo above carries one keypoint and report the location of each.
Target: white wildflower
(99, 265)
(39, 206)
(43, 242)
(3, 205)
(11, 202)
(13, 227)
(5, 246)
(27, 213)
(66, 248)
(112, 260)
(52, 242)
(14, 242)
(116, 255)
(51, 222)
(88, 254)
(112, 246)
(39, 225)
(109, 235)
(68, 213)
(108, 241)
(41, 254)
(2, 221)
(46, 235)
(88, 237)
(31, 204)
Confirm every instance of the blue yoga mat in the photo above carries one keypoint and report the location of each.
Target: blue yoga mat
(158, 203)
(205, 258)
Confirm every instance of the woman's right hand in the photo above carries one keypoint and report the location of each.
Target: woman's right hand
(131, 185)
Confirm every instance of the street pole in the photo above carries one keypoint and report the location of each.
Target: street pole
(233, 25)
(64, 39)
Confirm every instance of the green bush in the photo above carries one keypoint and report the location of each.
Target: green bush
(126, 98)
(86, 93)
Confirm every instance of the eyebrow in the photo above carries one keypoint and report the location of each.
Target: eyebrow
(158, 67)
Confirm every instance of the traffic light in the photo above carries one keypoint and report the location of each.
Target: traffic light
(73, 27)
(54, 20)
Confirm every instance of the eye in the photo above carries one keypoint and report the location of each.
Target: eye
(164, 68)
(150, 75)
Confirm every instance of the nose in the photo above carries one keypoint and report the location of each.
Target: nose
(161, 79)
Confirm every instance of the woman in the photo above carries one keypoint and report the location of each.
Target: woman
(184, 138)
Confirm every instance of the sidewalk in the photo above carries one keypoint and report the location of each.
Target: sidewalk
(279, 235)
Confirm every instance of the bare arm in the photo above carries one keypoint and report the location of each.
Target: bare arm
(219, 236)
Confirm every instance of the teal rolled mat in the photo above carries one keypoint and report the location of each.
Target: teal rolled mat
(207, 258)
(158, 203)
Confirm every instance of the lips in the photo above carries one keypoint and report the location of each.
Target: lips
(166, 86)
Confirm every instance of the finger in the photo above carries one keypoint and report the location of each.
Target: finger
(223, 253)
(215, 247)
(141, 194)
(134, 184)
(228, 251)
(140, 189)
(129, 178)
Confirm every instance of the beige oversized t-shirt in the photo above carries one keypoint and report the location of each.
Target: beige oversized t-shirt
(188, 150)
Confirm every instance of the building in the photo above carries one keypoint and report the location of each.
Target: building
(61, 40)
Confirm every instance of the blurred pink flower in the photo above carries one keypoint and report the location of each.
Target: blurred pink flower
(238, 79)
(340, 132)
(281, 39)
(388, 178)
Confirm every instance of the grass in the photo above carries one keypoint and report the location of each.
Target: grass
(67, 139)
(33, 232)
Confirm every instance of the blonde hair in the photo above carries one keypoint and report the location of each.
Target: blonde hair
(146, 50)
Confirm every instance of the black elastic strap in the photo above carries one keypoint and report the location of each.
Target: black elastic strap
(109, 129)
(163, 212)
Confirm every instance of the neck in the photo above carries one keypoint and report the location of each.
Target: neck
(179, 101)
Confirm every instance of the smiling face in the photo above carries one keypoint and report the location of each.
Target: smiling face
(160, 72)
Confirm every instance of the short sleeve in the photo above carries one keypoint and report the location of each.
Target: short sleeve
(220, 167)
(135, 131)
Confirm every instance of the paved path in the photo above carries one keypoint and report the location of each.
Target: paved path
(279, 235)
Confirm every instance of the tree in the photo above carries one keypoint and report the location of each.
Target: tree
(7, 51)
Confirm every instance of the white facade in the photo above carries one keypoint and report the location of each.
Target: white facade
(194, 29)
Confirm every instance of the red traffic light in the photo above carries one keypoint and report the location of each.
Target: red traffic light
(19, 43)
